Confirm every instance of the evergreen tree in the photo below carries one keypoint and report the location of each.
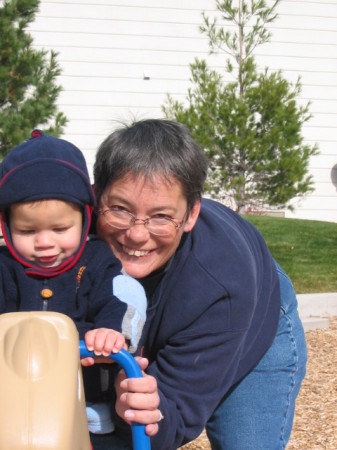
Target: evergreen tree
(250, 128)
(28, 92)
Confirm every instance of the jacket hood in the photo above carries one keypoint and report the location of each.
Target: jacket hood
(45, 167)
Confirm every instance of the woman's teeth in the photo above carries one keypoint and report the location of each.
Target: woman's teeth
(132, 252)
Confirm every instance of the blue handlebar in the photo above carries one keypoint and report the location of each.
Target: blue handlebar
(140, 439)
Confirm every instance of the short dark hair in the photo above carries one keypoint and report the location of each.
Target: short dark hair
(151, 147)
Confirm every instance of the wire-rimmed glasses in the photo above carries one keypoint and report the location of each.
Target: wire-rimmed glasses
(123, 220)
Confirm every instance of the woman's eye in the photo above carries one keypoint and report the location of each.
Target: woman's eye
(117, 208)
(161, 216)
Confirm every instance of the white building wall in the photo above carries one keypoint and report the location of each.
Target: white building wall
(107, 49)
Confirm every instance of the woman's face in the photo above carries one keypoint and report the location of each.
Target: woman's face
(139, 251)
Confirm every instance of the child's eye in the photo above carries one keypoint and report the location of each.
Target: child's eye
(60, 229)
(26, 232)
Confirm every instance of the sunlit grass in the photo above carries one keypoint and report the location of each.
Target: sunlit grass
(306, 249)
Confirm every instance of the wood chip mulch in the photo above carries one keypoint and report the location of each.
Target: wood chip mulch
(315, 424)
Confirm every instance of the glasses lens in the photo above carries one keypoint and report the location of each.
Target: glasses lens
(161, 226)
(122, 220)
(118, 219)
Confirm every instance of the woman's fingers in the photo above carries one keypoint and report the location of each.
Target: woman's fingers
(151, 429)
(145, 385)
(138, 401)
(142, 362)
(144, 417)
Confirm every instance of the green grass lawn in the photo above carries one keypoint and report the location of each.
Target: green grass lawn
(306, 249)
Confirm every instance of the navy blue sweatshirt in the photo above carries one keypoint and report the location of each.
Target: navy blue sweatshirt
(212, 317)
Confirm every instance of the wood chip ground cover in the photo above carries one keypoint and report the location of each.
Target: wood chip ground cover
(315, 424)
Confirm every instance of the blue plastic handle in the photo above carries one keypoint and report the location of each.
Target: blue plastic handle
(139, 438)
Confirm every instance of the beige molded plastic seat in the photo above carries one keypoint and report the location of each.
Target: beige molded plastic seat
(42, 403)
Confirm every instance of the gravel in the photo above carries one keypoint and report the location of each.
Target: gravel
(315, 424)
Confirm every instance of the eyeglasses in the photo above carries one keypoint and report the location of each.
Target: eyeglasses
(123, 220)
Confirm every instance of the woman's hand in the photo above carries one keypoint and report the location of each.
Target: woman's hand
(138, 399)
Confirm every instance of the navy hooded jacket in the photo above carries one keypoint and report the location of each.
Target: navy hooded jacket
(88, 286)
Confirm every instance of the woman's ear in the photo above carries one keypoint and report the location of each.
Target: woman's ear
(192, 217)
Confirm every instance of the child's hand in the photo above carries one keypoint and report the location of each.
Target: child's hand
(102, 342)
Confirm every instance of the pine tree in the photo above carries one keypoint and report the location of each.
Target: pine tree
(250, 128)
(28, 91)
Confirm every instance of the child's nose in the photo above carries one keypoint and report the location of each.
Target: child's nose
(43, 239)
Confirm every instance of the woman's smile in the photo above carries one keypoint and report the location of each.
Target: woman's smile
(140, 251)
(136, 253)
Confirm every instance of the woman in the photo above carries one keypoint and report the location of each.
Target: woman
(223, 340)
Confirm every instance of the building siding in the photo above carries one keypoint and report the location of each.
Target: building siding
(107, 49)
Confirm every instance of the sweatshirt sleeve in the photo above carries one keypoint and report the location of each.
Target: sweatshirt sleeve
(8, 287)
(194, 371)
(2, 292)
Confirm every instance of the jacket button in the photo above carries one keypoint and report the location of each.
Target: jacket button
(46, 294)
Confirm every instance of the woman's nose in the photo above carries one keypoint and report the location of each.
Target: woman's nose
(138, 232)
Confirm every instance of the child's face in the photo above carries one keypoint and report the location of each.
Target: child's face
(46, 232)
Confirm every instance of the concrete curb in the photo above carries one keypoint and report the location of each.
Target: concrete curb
(315, 309)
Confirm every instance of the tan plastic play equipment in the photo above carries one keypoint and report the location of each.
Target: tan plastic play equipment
(42, 403)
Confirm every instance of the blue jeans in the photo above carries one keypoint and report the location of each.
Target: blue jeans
(258, 413)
